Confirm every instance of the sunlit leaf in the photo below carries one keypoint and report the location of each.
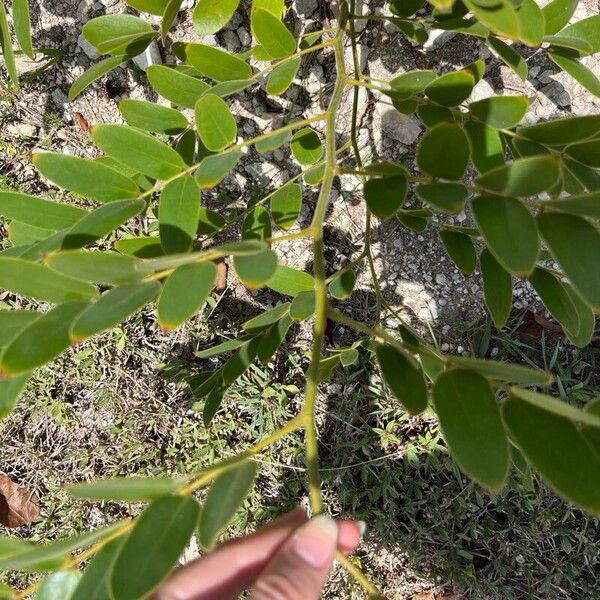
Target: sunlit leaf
(179, 88)
(210, 16)
(184, 293)
(152, 117)
(89, 178)
(404, 377)
(270, 32)
(216, 63)
(224, 497)
(178, 214)
(286, 204)
(451, 88)
(215, 123)
(126, 489)
(112, 308)
(152, 548)
(497, 288)
(471, 424)
(306, 146)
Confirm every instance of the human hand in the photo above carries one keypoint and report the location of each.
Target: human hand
(289, 559)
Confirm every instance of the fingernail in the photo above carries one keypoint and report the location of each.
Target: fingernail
(362, 527)
(315, 542)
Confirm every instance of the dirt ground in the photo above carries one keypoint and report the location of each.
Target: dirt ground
(115, 406)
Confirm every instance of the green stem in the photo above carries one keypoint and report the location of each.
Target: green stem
(312, 377)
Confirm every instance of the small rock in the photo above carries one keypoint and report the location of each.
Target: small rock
(244, 36)
(481, 91)
(59, 98)
(437, 38)
(388, 122)
(150, 56)
(305, 8)
(87, 48)
(231, 40)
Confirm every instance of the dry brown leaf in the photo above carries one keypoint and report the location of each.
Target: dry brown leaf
(81, 121)
(430, 595)
(533, 326)
(18, 506)
(221, 281)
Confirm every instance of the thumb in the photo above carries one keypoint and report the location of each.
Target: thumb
(301, 567)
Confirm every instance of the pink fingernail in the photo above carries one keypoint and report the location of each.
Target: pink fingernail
(315, 542)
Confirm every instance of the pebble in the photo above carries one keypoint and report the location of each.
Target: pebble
(150, 56)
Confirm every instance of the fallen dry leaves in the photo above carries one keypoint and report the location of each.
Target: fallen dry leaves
(18, 506)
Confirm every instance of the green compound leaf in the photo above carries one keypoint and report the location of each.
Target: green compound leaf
(21, 25)
(138, 150)
(7, 49)
(153, 117)
(95, 580)
(585, 205)
(585, 30)
(451, 89)
(497, 288)
(126, 489)
(272, 339)
(282, 76)
(210, 16)
(14, 321)
(404, 377)
(306, 146)
(89, 178)
(179, 88)
(98, 223)
(412, 82)
(209, 221)
(25, 352)
(500, 17)
(500, 112)
(154, 7)
(557, 14)
(29, 557)
(95, 72)
(460, 249)
(37, 212)
(587, 319)
(152, 548)
(213, 169)
(254, 271)
(447, 197)
(39, 282)
(224, 497)
(106, 267)
(577, 71)
(290, 282)
(509, 230)
(487, 150)
(472, 427)
(215, 123)
(509, 56)
(342, 285)
(574, 243)
(112, 308)
(587, 153)
(267, 318)
(272, 142)
(10, 389)
(303, 306)
(531, 23)
(217, 64)
(431, 115)
(257, 224)
(493, 369)
(556, 299)
(433, 156)
(118, 34)
(385, 196)
(286, 204)
(274, 37)
(562, 131)
(58, 586)
(556, 447)
(522, 177)
(184, 293)
(178, 214)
